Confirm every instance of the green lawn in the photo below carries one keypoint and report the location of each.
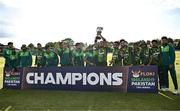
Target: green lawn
(87, 101)
(73, 100)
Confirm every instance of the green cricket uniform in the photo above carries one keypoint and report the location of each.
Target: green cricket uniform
(50, 59)
(78, 58)
(168, 55)
(125, 56)
(155, 53)
(6, 54)
(116, 58)
(65, 56)
(136, 59)
(155, 59)
(14, 61)
(145, 56)
(101, 57)
(39, 58)
(168, 58)
(25, 58)
(90, 58)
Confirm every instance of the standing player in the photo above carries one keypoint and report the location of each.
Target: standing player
(115, 57)
(7, 52)
(39, 56)
(136, 59)
(14, 60)
(155, 59)
(101, 54)
(25, 57)
(50, 58)
(144, 54)
(125, 53)
(168, 59)
(78, 55)
(90, 56)
(65, 54)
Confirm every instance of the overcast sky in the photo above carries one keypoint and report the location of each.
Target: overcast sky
(26, 21)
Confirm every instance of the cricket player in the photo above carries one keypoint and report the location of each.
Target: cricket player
(25, 57)
(65, 54)
(116, 61)
(14, 60)
(78, 55)
(125, 53)
(144, 54)
(50, 58)
(136, 58)
(155, 59)
(90, 56)
(7, 52)
(168, 59)
(39, 56)
(101, 54)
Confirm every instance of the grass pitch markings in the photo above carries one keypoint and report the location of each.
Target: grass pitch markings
(8, 108)
(165, 96)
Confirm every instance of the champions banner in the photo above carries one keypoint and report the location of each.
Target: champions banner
(122, 79)
(76, 78)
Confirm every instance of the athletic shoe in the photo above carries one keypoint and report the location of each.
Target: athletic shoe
(175, 92)
(161, 89)
(165, 89)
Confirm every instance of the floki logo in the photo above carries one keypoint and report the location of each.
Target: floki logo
(111, 79)
(136, 73)
(11, 73)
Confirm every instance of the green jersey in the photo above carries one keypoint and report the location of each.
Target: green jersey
(39, 58)
(125, 56)
(101, 57)
(6, 54)
(25, 59)
(145, 56)
(50, 59)
(155, 53)
(116, 57)
(14, 61)
(136, 59)
(90, 58)
(168, 55)
(78, 58)
(65, 56)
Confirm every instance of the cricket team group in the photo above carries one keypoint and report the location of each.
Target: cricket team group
(67, 54)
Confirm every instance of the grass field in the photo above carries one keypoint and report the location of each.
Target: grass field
(41, 100)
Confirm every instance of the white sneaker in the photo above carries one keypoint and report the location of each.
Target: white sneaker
(160, 89)
(165, 89)
(175, 92)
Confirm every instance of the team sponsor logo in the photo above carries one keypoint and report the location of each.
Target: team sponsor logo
(143, 79)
